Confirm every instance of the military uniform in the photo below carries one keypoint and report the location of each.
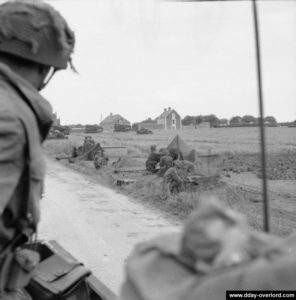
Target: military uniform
(174, 179)
(88, 145)
(100, 159)
(165, 163)
(25, 119)
(152, 161)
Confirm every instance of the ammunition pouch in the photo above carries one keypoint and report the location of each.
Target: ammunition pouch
(58, 276)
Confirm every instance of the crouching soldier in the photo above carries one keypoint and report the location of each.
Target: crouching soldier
(167, 161)
(35, 42)
(153, 160)
(100, 159)
(177, 177)
(174, 178)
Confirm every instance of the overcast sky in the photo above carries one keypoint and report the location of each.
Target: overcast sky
(137, 57)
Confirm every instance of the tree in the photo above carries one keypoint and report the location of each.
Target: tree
(235, 120)
(248, 119)
(223, 121)
(198, 120)
(212, 119)
(188, 120)
(270, 120)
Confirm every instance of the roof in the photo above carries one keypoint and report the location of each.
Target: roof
(148, 121)
(113, 119)
(166, 113)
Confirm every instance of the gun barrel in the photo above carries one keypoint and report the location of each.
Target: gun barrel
(63, 157)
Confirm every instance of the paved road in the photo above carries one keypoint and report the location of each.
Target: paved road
(94, 223)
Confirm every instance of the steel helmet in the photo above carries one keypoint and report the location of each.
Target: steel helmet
(35, 31)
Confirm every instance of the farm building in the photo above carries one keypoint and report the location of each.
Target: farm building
(109, 122)
(169, 120)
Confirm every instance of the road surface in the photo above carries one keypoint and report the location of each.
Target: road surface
(94, 223)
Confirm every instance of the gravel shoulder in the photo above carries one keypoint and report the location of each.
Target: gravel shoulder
(95, 224)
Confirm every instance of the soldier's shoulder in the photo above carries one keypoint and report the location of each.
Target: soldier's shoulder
(12, 99)
(9, 113)
(7, 99)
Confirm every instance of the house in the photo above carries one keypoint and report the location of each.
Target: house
(169, 120)
(109, 122)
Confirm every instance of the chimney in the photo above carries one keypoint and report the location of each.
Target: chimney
(165, 110)
(110, 114)
(169, 109)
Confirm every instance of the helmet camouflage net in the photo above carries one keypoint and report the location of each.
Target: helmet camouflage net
(35, 31)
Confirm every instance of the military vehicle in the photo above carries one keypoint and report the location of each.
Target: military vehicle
(59, 132)
(93, 129)
(144, 131)
(56, 135)
(122, 128)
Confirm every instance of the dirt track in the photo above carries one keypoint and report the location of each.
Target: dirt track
(95, 224)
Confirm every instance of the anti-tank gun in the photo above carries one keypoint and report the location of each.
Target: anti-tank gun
(272, 270)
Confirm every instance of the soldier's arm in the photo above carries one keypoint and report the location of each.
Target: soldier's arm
(12, 141)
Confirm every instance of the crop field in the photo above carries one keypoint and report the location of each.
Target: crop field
(240, 169)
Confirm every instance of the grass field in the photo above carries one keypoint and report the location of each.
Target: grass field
(241, 142)
(216, 140)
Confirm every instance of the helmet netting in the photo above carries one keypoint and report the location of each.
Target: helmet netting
(42, 17)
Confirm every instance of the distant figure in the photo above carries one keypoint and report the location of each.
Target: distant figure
(167, 160)
(88, 145)
(100, 160)
(153, 160)
(174, 153)
(176, 177)
(74, 152)
(153, 148)
(165, 163)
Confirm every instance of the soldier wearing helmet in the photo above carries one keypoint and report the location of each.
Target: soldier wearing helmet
(35, 42)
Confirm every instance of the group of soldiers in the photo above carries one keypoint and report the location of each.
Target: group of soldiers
(91, 151)
(35, 43)
(94, 152)
(169, 164)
